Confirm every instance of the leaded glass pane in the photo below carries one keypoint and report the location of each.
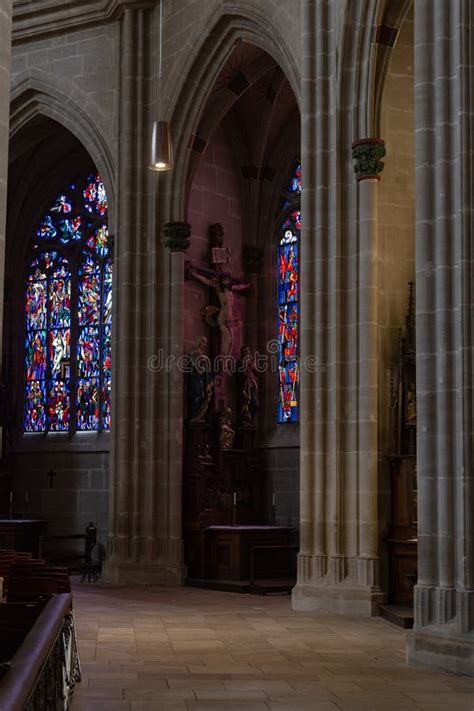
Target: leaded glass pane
(59, 351)
(88, 352)
(95, 197)
(36, 355)
(106, 387)
(35, 407)
(98, 241)
(60, 301)
(58, 405)
(89, 293)
(36, 312)
(288, 306)
(88, 404)
(60, 306)
(107, 296)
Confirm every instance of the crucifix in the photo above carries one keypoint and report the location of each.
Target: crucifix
(51, 474)
(224, 316)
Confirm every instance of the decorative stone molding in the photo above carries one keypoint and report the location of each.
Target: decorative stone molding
(176, 236)
(43, 18)
(253, 258)
(367, 154)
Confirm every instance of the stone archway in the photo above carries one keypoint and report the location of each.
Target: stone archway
(45, 158)
(188, 117)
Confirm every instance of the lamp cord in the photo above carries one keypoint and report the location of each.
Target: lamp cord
(160, 60)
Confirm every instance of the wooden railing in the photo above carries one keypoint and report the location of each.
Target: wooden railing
(42, 673)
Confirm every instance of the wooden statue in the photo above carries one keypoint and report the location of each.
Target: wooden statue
(248, 387)
(224, 315)
(226, 431)
(200, 382)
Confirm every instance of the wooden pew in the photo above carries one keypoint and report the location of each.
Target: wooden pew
(45, 667)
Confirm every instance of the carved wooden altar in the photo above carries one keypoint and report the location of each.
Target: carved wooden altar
(221, 487)
(402, 539)
(223, 512)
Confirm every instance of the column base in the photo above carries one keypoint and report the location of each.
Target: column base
(120, 572)
(338, 585)
(337, 600)
(441, 650)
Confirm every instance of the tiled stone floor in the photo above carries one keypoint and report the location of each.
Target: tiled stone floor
(157, 649)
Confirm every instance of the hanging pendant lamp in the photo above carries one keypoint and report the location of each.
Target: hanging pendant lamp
(161, 154)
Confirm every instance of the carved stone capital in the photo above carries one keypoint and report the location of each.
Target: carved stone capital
(176, 236)
(253, 258)
(367, 154)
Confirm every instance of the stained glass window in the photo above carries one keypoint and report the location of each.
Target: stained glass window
(68, 314)
(288, 301)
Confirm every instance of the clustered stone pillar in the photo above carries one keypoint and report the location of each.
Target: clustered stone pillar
(5, 62)
(127, 518)
(338, 561)
(145, 518)
(443, 635)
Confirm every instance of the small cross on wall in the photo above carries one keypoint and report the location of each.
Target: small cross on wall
(51, 474)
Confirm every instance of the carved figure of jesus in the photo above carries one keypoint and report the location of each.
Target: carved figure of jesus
(225, 315)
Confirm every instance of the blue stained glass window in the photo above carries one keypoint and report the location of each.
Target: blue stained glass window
(35, 406)
(288, 302)
(88, 404)
(68, 314)
(58, 405)
(99, 241)
(295, 181)
(95, 197)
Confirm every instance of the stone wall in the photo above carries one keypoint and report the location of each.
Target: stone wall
(79, 491)
(82, 69)
(282, 465)
(214, 198)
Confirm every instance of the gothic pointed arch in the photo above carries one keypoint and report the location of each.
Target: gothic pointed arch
(191, 99)
(34, 97)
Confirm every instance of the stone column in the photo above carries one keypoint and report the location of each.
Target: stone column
(5, 62)
(144, 536)
(338, 561)
(367, 154)
(443, 635)
(176, 240)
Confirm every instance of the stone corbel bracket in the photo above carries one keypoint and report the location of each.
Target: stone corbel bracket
(367, 154)
(176, 236)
